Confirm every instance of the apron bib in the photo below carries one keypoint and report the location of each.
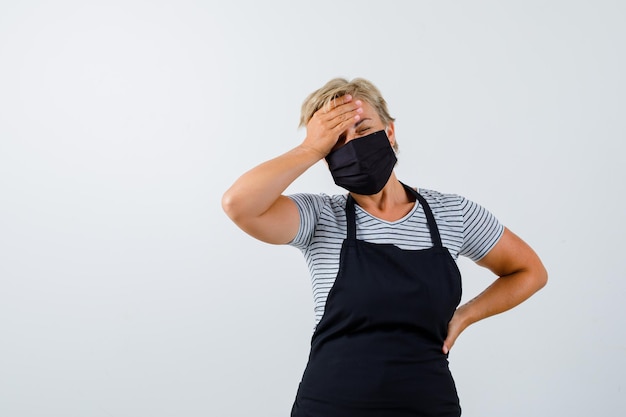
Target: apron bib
(376, 352)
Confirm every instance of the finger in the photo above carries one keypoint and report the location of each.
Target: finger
(339, 101)
(343, 105)
(450, 339)
(340, 106)
(447, 345)
(345, 115)
(344, 108)
(341, 123)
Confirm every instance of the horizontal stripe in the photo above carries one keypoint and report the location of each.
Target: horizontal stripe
(466, 228)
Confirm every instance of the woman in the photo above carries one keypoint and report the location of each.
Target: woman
(382, 260)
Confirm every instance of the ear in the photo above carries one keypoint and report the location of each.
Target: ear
(390, 130)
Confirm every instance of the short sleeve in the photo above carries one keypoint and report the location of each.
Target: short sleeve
(481, 230)
(310, 207)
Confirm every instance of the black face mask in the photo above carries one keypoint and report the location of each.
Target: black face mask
(363, 165)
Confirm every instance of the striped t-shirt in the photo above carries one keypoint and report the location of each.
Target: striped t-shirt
(466, 229)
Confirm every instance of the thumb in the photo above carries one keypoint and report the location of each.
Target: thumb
(455, 327)
(453, 332)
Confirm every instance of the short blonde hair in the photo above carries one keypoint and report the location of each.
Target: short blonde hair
(337, 87)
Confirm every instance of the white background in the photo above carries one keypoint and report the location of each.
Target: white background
(126, 291)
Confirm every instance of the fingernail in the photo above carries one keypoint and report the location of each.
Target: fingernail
(358, 102)
(348, 97)
(359, 110)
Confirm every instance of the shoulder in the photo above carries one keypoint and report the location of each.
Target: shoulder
(441, 202)
(308, 202)
(447, 209)
(476, 227)
(319, 214)
(452, 203)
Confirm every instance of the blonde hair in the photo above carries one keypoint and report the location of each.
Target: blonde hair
(337, 87)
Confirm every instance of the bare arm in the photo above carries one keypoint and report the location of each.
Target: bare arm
(521, 274)
(255, 202)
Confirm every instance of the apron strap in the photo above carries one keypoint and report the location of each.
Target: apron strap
(430, 218)
(350, 218)
(432, 225)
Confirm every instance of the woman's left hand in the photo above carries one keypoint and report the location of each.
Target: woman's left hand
(521, 274)
(455, 328)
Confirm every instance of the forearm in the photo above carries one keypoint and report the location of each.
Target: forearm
(505, 293)
(521, 274)
(257, 190)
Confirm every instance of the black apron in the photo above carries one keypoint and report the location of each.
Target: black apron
(376, 352)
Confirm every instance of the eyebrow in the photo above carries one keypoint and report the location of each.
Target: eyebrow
(361, 121)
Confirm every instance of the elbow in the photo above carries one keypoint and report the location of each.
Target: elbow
(540, 276)
(229, 205)
(544, 277)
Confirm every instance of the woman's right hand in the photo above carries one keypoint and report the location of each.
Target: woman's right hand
(327, 124)
(255, 201)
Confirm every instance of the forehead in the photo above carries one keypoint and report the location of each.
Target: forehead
(369, 111)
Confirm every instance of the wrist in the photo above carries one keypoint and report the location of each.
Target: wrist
(311, 151)
(463, 316)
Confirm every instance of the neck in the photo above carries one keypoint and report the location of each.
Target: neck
(391, 203)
